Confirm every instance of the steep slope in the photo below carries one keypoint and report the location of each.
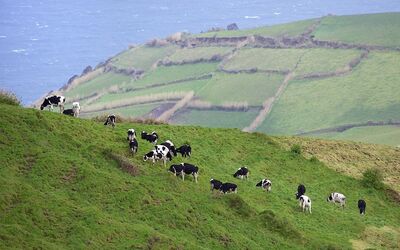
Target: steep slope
(71, 183)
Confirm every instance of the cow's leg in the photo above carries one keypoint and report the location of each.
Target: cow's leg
(183, 176)
(195, 177)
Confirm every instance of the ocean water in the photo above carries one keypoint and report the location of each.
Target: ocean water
(43, 43)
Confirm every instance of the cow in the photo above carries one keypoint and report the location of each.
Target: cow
(54, 100)
(152, 155)
(110, 120)
(133, 145)
(190, 169)
(301, 190)
(265, 184)
(131, 134)
(76, 108)
(153, 137)
(241, 173)
(184, 150)
(337, 198)
(165, 153)
(170, 146)
(362, 205)
(68, 112)
(176, 169)
(228, 187)
(215, 184)
(305, 203)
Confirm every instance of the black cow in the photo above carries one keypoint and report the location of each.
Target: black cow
(301, 189)
(176, 169)
(190, 170)
(184, 150)
(54, 100)
(362, 205)
(131, 134)
(133, 145)
(241, 173)
(153, 137)
(228, 187)
(110, 120)
(265, 184)
(170, 146)
(215, 184)
(69, 112)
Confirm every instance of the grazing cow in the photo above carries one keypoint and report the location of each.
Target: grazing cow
(184, 150)
(133, 145)
(165, 153)
(215, 184)
(110, 120)
(153, 137)
(76, 108)
(337, 198)
(152, 155)
(228, 187)
(190, 170)
(170, 146)
(68, 112)
(131, 134)
(54, 100)
(305, 203)
(241, 173)
(176, 169)
(265, 184)
(301, 190)
(362, 205)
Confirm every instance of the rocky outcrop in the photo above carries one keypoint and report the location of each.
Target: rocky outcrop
(87, 70)
(232, 26)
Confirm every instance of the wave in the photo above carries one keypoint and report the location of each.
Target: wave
(3, 36)
(252, 17)
(18, 50)
(277, 13)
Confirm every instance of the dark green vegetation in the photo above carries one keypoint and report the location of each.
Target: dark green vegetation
(71, 183)
(296, 78)
(9, 98)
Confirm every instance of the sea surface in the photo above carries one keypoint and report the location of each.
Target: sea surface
(43, 43)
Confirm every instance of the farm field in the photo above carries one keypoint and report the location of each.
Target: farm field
(197, 53)
(358, 97)
(134, 111)
(103, 196)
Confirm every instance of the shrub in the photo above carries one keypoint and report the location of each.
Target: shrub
(296, 149)
(314, 159)
(372, 178)
(9, 98)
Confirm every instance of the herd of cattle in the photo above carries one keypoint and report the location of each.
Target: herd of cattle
(166, 151)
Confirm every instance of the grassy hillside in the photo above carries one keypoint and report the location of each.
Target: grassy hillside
(325, 72)
(71, 183)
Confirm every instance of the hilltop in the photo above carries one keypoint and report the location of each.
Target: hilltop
(71, 183)
(312, 77)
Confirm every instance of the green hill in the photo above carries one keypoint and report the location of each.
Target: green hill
(71, 183)
(286, 79)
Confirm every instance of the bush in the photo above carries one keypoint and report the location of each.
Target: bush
(314, 159)
(372, 178)
(9, 98)
(296, 149)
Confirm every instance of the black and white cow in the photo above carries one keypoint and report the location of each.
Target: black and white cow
(133, 145)
(131, 134)
(228, 188)
(153, 137)
(215, 184)
(265, 184)
(184, 150)
(305, 203)
(68, 112)
(337, 198)
(54, 100)
(301, 190)
(170, 146)
(110, 120)
(152, 155)
(190, 169)
(362, 205)
(76, 108)
(241, 173)
(176, 169)
(165, 153)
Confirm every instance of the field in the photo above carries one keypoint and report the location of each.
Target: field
(71, 183)
(388, 135)
(215, 118)
(372, 29)
(198, 53)
(135, 111)
(333, 102)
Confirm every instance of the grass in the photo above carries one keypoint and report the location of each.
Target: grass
(60, 187)
(138, 110)
(141, 57)
(100, 83)
(215, 119)
(370, 93)
(371, 29)
(198, 53)
(251, 88)
(388, 135)
(265, 59)
(280, 30)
